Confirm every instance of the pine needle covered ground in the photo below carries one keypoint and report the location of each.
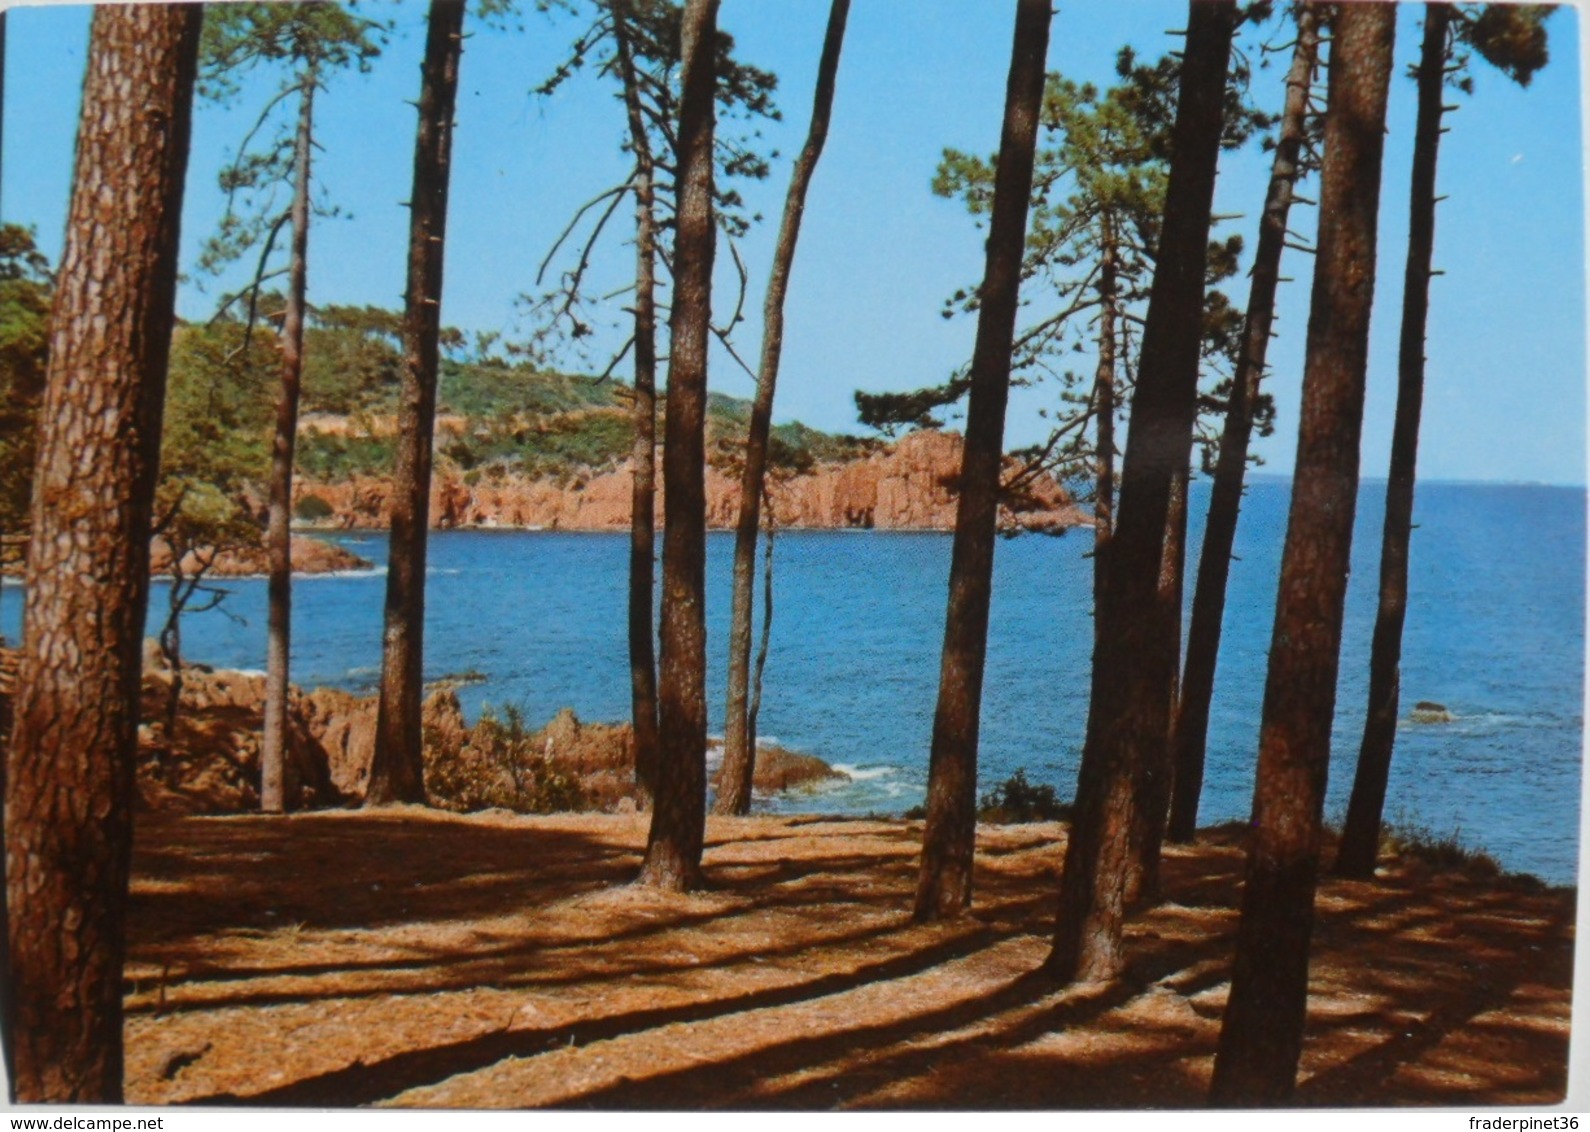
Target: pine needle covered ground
(412, 957)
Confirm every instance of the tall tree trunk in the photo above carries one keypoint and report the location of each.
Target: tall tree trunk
(770, 524)
(1104, 420)
(1361, 835)
(73, 747)
(678, 825)
(397, 771)
(643, 452)
(1191, 732)
(944, 884)
(1148, 827)
(1262, 1035)
(739, 752)
(1135, 661)
(279, 526)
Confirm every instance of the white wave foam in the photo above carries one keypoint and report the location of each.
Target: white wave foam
(866, 773)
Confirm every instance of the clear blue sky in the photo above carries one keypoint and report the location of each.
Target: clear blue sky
(1506, 381)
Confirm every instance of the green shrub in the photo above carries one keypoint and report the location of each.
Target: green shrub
(1016, 800)
(1441, 853)
(497, 766)
(312, 508)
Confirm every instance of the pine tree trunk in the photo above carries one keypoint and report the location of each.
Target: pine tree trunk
(1262, 1036)
(755, 708)
(678, 825)
(1361, 835)
(1104, 421)
(739, 751)
(397, 771)
(1191, 732)
(279, 525)
(1148, 829)
(1135, 662)
(73, 747)
(643, 452)
(944, 884)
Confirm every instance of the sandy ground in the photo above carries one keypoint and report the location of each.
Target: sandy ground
(411, 957)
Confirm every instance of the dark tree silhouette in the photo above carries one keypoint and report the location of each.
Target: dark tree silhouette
(944, 884)
(1513, 38)
(1134, 666)
(397, 772)
(73, 747)
(1262, 1035)
(678, 826)
(739, 738)
(1191, 730)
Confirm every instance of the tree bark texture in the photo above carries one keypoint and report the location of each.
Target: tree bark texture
(397, 771)
(1104, 420)
(739, 752)
(279, 523)
(643, 451)
(1262, 1035)
(1135, 660)
(944, 884)
(1148, 830)
(755, 707)
(73, 748)
(1360, 842)
(1191, 732)
(678, 825)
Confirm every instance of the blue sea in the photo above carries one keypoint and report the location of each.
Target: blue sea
(1495, 632)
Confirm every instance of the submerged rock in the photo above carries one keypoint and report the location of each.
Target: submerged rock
(778, 770)
(1428, 711)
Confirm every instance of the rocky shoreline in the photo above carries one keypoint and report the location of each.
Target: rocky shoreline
(309, 555)
(910, 485)
(209, 762)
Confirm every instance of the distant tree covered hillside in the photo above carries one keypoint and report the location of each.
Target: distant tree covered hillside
(499, 414)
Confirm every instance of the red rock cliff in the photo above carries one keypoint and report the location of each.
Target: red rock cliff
(908, 486)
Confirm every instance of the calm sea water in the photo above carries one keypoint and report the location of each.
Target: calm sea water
(1495, 631)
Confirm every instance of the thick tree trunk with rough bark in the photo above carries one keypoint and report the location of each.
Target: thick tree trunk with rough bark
(643, 451)
(1262, 1035)
(397, 772)
(73, 748)
(279, 524)
(944, 884)
(1135, 662)
(1191, 731)
(1360, 842)
(678, 824)
(739, 751)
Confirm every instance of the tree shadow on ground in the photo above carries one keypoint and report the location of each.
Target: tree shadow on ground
(406, 957)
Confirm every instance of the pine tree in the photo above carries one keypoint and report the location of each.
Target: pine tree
(1190, 731)
(397, 771)
(678, 825)
(739, 738)
(1513, 38)
(309, 40)
(1134, 665)
(1262, 1034)
(944, 882)
(71, 756)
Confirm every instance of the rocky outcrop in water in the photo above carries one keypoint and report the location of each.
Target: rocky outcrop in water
(309, 556)
(908, 486)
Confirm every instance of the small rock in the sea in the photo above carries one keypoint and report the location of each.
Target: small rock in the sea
(1428, 711)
